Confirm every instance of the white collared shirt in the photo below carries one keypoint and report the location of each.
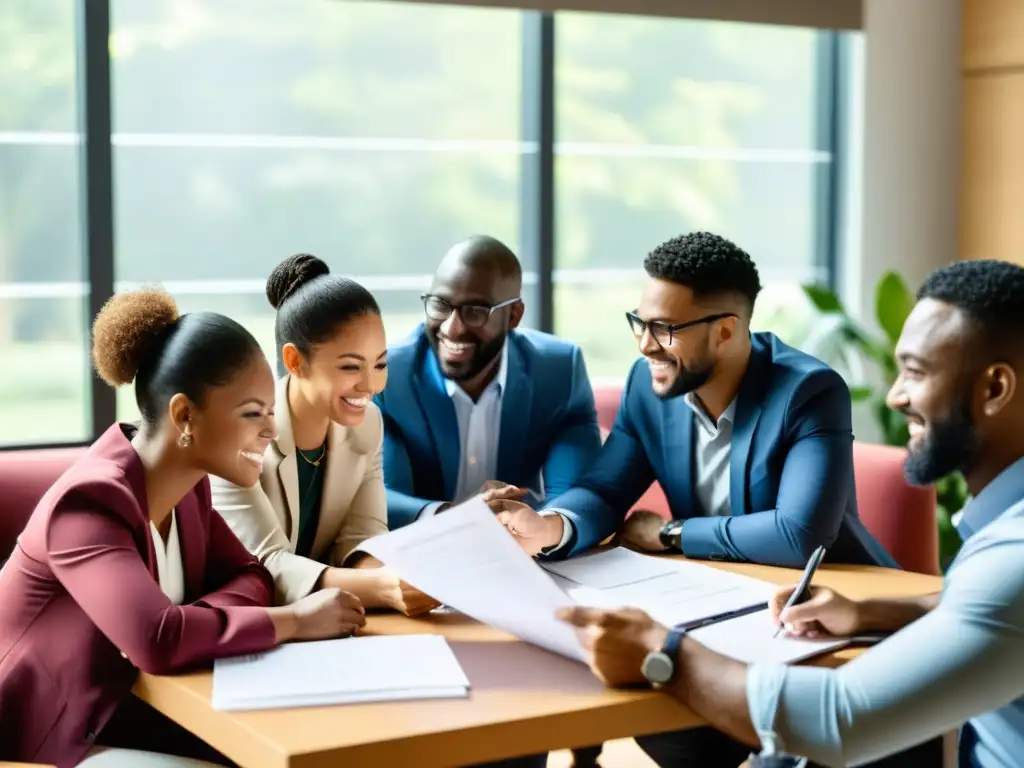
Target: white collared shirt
(169, 568)
(479, 434)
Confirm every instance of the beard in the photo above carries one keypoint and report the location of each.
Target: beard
(688, 378)
(484, 355)
(947, 446)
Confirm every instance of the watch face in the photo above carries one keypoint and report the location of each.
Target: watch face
(658, 668)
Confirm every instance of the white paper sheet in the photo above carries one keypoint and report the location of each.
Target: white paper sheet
(674, 592)
(613, 568)
(466, 559)
(749, 639)
(352, 670)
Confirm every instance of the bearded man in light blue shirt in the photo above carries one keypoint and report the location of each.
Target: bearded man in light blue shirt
(957, 658)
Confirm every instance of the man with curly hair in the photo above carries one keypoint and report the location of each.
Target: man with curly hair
(750, 439)
(956, 656)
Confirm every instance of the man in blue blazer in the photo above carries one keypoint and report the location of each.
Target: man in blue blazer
(472, 401)
(750, 439)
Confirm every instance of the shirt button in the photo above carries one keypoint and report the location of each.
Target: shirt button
(472, 461)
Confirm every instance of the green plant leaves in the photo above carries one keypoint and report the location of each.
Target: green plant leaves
(824, 299)
(893, 302)
(860, 394)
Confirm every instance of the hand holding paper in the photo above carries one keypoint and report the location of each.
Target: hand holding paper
(466, 559)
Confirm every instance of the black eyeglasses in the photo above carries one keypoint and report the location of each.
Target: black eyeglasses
(664, 332)
(471, 315)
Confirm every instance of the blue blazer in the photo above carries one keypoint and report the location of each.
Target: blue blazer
(549, 426)
(791, 469)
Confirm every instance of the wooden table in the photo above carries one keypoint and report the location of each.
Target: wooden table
(523, 700)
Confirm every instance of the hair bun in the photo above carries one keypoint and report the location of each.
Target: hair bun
(291, 274)
(126, 328)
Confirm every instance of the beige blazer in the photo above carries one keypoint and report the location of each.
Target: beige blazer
(354, 505)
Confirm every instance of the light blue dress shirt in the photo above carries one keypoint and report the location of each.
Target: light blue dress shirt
(963, 661)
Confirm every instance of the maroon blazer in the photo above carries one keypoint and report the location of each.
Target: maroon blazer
(81, 610)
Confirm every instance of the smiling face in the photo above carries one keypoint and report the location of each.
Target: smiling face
(344, 372)
(234, 424)
(687, 361)
(935, 391)
(464, 350)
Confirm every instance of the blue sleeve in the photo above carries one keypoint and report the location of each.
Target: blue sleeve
(403, 506)
(578, 441)
(816, 481)
(597, 505)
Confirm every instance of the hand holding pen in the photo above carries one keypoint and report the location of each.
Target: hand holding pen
(798, 595)
(814, 612)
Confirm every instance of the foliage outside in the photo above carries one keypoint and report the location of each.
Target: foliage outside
(845, 336)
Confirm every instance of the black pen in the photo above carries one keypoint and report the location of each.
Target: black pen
(803, 590)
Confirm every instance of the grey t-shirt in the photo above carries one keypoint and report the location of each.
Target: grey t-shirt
(964, 661)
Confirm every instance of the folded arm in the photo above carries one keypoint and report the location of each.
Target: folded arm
(578, 441)
(817, 478)
(93, 554)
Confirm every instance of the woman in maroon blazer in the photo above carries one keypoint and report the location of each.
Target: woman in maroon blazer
(124, 564)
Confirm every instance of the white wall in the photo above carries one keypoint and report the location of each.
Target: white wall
(902, 167)
(903, 190)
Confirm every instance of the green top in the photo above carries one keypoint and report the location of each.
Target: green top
(311, 486)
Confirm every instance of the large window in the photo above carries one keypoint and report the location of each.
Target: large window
(671, 126)
(375, 135)
(43, 340)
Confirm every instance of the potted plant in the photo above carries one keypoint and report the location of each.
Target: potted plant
(838, 333)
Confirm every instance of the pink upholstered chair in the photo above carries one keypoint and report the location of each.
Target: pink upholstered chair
(24, 477)
(899, 515)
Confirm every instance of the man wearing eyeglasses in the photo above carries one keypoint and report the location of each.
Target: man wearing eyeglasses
(475, 404)
(750, 439)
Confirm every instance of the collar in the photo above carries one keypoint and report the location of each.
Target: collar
(499, 380)
(705, 420)
(1006, 490)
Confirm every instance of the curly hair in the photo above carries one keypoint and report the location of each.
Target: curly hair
(140, 336)
(707, 264)
(989, 292)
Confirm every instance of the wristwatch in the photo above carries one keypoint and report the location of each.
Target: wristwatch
(659, 666)
(671, 534)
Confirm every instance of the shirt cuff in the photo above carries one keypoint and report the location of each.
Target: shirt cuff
(567, 529)
(429, 510)
(764, 690)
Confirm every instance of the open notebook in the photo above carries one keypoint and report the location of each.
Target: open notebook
(353, 670)
(725, 611)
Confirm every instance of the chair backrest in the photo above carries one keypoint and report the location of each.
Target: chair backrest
(24, 477)
(900, 516)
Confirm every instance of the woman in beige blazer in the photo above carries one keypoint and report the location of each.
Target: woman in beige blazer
(321, 490)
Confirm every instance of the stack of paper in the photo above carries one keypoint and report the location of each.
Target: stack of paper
(352, 670)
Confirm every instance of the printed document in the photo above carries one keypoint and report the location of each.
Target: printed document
(749, 639)
(672, 591)
(352, 670)
(466, 559)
